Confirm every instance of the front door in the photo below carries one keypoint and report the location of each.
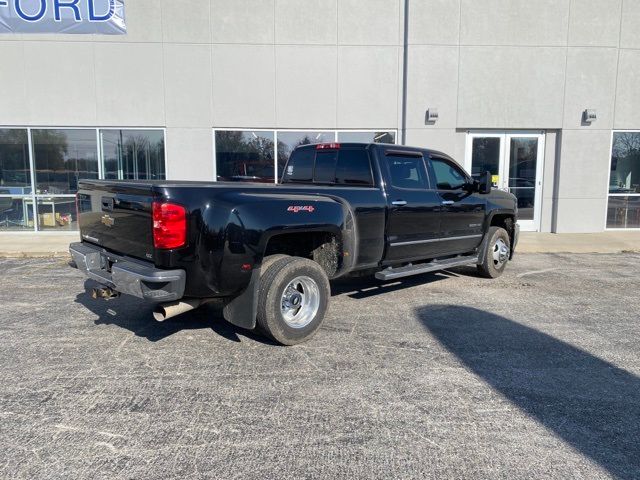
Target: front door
(463, 211)
(515, 160)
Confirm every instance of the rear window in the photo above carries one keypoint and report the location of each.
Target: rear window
(300, 166)
(325, 171)
(354, 168)
(346, 166)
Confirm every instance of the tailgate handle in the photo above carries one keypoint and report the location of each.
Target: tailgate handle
(107, 204)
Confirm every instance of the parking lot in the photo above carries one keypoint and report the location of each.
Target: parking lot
(535, 374)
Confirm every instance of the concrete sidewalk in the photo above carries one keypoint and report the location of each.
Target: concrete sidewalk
(42, 245)
(48, 245)
(602, 242)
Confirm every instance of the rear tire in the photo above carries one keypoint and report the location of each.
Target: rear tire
(292, 299)
(270, 260)
(496, 255)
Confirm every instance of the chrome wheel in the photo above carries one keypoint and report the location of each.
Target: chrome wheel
(300, 302)
(500, 253)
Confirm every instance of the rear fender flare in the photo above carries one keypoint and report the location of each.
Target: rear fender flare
(242, 310)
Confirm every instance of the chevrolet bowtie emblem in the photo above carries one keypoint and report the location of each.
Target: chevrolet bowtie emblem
(108, 220)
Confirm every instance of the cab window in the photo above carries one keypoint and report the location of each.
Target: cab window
(447, 175)
(300, 166)
(346, 166)
(407, 172)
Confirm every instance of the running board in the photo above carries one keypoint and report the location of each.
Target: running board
(435, 265)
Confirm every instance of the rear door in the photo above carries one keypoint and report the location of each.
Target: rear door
(413, 221)
(463, 212)
(117, 216)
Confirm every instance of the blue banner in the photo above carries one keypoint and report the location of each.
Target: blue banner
(103, 17)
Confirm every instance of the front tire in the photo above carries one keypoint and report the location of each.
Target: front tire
(292, 300)
(497, 253)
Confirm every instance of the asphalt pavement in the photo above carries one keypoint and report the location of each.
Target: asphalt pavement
(447, 375)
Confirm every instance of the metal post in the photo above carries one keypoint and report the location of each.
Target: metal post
(32, 167)
(405, 60)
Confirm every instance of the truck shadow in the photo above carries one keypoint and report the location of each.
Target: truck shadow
(591, 404)
(136, 316)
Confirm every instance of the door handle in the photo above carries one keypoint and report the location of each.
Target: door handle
(448, 202)
(399, 203)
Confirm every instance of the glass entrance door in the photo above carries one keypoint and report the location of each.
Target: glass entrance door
(515, 160)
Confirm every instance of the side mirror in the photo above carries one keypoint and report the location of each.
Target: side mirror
(484, 183)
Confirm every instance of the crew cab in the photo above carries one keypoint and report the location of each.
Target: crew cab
(268, 251)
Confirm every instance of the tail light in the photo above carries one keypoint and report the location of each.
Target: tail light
(323, 146)
(169, 225)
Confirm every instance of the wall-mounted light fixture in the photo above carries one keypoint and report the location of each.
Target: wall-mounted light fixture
(432, 116)
(589, 116)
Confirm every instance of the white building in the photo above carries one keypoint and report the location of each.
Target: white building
(201, 89)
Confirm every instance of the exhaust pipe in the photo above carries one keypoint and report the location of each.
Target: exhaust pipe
(165, 311)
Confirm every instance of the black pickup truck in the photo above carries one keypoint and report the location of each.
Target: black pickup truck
(267, 252)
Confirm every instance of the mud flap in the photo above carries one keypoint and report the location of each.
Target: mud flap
(515, 235)
(482, 249)
(243, 309)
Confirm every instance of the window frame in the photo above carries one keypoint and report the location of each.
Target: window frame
(606, 206)
(34, 197)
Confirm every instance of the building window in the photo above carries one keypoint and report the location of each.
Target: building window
(15, 174)
(15, 180)
(245, 156)
(62, 157)
(623, 209)
(250, 155)
(15, 213)
(132, 154)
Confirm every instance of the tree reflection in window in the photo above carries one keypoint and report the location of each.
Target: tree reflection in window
(625, 163)
(14, 160)
(62, 157)
(245, 156)
(289, 140)
(133, 154)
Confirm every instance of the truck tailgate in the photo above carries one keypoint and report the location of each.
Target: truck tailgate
(117, 216)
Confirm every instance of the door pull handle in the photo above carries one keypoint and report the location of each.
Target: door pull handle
(448, 202)
(399, 203)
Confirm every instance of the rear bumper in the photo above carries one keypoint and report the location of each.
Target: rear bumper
(140, 279)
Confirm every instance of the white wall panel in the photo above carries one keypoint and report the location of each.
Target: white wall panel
(367, 87)
(514, 22)
(129, 84)
(243, 86)
(511, 87)
(188, 92)
(306, 81)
